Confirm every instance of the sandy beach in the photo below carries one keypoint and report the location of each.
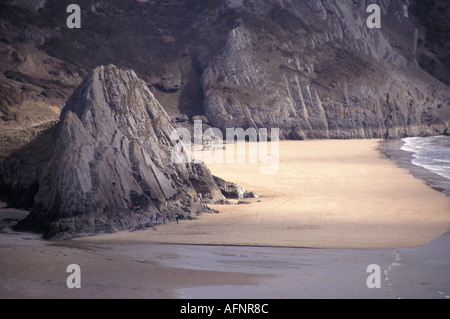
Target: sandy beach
(325, 194)
(343, 197)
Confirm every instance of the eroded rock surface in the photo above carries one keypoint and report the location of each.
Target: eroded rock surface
(315, 70)
(109, 166)
(311, 68)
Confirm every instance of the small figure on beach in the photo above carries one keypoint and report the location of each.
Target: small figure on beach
(164, 219)
(157, 219)
(176, 217)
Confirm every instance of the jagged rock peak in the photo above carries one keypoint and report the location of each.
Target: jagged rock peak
(111, 166)
(121, 97)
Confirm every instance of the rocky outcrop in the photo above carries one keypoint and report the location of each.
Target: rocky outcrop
(233, 191)
(109, 166)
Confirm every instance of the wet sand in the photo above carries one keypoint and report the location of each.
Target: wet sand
(343, 197)
(33, 268)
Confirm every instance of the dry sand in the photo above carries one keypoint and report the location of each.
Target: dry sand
(325, 194)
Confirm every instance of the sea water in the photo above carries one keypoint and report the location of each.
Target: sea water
(432, 154)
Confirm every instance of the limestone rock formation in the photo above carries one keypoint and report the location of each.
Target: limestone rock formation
(108, 166)
(315, 70)
(311, 68)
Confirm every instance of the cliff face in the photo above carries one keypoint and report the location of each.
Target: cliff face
(110, 154)
(316, 71)
(311, 68)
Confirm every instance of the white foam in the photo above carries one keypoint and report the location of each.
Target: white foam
(431, 153)
(397, 263)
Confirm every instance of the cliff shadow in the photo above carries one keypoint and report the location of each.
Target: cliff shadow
(191, 98)
(19, 171)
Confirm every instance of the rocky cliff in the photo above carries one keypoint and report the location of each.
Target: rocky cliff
(311, 68)
(315, 70)
(107, 165)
